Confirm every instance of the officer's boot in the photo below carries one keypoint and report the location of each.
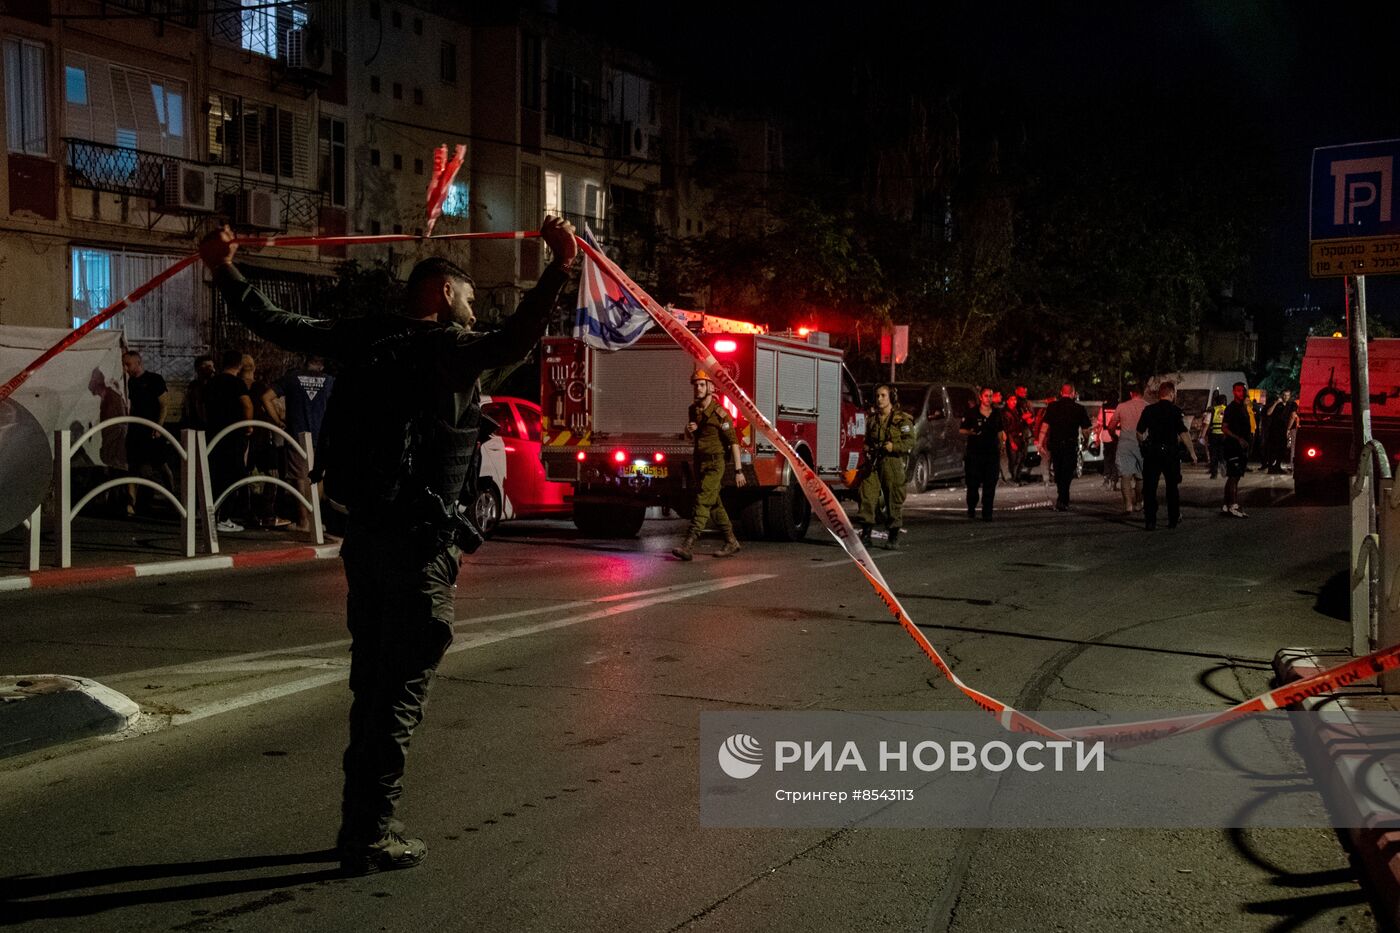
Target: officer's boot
(892, 542)
(865, 535)
(683, 551)
(731, 544)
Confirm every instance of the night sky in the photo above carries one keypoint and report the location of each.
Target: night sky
(1244, 89)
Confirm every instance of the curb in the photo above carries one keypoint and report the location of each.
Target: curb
(40, 710)
(1335, 761)
(85, 576)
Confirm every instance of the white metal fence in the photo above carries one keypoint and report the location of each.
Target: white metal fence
(193, 498)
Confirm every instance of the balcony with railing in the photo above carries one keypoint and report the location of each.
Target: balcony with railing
(138, 173)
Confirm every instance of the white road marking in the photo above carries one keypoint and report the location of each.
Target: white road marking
(237, 662)
(477, 640)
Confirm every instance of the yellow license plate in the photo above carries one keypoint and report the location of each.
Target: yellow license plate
(644, 469)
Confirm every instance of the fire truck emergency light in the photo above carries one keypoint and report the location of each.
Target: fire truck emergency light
(803, 331)
(1311, 453)
(581, 456)
(619, 456)
(659, 457)
(725, 346)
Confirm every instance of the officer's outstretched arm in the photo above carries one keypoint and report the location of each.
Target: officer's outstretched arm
(284, 328)
(475, 353)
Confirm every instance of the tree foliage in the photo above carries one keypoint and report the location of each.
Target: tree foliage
(781, 263)
(363, 290)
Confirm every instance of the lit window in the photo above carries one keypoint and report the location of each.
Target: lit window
(263, 26)
(75, 85)
(92, 284)
(170, 109)
(457, 200)
(553, 194)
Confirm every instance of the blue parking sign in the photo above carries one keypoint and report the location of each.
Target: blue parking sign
(1355, 213)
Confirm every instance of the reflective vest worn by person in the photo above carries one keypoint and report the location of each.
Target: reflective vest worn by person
(1217, 419)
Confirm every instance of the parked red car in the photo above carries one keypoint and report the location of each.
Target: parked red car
(528, 494)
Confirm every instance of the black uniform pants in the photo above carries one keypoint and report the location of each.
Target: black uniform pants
(1065, 460)
(981, 477)
(228, 463)
(1155, 467)
(399, 611)
(1215, 444)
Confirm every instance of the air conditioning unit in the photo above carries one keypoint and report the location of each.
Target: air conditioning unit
(187, 188)
(633, 141)
(260, 209)
(307, 54)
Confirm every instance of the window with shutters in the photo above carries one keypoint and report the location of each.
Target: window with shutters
(259, 138)
(108, 103)
(165, 318)
(26, 97)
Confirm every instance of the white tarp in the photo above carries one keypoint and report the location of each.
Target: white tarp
(76, 389)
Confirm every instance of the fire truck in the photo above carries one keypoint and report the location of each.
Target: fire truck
(1323, 457)
(614, 425)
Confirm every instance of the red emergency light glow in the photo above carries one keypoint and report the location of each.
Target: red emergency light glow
(581, 456)
(1311, 453)
(619, 456)
(803, 331)
(659, 457)
(726, 346)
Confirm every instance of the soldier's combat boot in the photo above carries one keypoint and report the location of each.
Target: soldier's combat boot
(731, 545)
(892, 542)
(865, 535)
(683, 550)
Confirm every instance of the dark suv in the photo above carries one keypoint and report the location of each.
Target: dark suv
(937, 409)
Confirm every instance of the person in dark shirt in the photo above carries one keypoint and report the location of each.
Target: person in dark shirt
(1282, 418)
(1236, 436)
(985, 430)
(147, 451)
(1016, 436)
(194, 416)
(417, 373)
(1065, 426)
(226, 401)
(1161, 431)
(305, 393)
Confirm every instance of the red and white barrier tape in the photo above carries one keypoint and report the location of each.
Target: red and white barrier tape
(834, 517)
(827, 508)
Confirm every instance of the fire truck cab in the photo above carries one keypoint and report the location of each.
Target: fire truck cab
(614, 425)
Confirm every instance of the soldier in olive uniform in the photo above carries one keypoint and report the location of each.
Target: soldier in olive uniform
(889, 438)
(713, 432)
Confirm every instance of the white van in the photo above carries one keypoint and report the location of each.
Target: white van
(1193, 391)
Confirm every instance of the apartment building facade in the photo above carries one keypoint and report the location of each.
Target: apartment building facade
(133, 126)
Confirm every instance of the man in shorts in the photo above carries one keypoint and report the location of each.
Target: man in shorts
(1235, 427)
(1124, 423)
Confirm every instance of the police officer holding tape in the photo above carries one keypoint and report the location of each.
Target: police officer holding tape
(712, 429)
(397, 445)
(889, 439)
